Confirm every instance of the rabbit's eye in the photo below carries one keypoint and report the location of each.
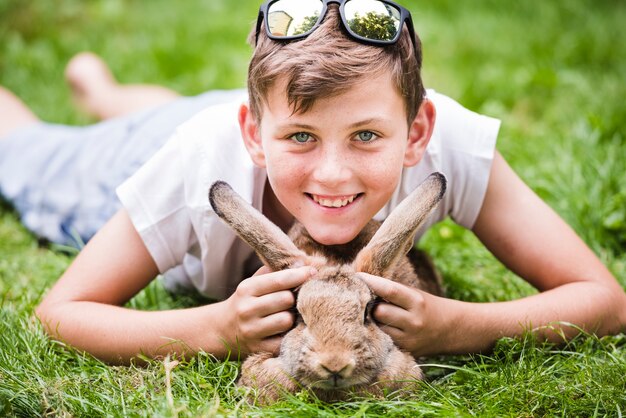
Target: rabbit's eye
(297, 317)
(369, 309)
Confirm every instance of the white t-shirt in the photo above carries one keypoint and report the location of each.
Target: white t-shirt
(167, 199)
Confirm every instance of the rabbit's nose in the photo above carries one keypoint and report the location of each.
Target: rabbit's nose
(338, 367)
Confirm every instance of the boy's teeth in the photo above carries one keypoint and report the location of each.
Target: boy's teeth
(333, 203)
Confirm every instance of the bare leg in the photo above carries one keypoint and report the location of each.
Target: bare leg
(97, 92)
(15, 114)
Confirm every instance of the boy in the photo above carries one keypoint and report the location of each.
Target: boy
(336, 131)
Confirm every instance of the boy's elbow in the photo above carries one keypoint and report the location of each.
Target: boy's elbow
(42, 312)
(615, 307)
(45, 313)
(622, 313)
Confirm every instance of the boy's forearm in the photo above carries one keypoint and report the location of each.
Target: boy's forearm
(475, 327)
(117, 334)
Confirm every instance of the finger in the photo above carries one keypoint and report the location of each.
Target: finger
(397, 335)
(274, 302)
(271, 344)
(279, 280)
(392, 292)
(275, 324)
(253, 331)
(262, 270)
(391, 315)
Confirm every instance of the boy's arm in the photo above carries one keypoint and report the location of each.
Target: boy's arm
(84, 308)
(535, 243)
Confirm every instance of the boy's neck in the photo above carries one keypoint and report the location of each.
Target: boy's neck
(274, 210)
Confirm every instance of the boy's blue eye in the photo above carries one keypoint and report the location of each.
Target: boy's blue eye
(365, 136)
(301, 137)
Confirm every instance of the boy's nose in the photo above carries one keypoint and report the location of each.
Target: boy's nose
(332, 167)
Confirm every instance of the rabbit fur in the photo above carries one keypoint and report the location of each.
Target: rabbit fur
(335, 347)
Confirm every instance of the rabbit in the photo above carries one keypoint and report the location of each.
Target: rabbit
(335, 347)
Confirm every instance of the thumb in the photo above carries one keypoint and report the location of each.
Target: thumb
(262, 270)
(271, 345)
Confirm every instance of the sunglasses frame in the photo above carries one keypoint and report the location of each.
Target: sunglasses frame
(405, 18)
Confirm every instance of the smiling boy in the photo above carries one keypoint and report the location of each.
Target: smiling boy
(337, 130)
(335, 166)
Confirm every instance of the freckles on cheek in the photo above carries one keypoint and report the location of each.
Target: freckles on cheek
(286, 177)
(285, 171)
(383, 172)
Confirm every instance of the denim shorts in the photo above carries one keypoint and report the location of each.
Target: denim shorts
(62, 179)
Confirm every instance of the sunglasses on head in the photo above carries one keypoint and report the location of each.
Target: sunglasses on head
(374, 22)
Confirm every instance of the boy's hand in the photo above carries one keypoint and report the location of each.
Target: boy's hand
(408, 315)
(259, 306)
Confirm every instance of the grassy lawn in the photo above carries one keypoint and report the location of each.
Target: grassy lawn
(552, 71)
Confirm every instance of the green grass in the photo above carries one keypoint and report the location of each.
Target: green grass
(552, 71)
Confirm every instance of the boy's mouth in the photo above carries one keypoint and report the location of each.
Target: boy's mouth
(334, 201)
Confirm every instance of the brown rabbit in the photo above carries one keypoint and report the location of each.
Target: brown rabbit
(336, 347)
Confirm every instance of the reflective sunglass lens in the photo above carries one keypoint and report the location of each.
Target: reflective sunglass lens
(293, 17)
(372, 19)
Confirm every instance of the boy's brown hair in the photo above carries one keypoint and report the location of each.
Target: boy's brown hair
(327, 63)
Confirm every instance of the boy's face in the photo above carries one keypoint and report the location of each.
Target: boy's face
(335, 166)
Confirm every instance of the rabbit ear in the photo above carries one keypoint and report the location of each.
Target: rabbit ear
(394, 238)
(271, 244)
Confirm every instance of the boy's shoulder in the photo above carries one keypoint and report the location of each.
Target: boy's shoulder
(217, 118)
(208, 147)
(458, 128)
(461, 147)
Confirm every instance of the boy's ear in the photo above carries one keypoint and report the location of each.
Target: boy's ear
(251, 135)
(419, 133)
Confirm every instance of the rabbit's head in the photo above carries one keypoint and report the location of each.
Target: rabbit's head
(335, 342)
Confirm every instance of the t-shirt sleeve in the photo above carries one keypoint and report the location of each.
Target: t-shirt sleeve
(154, 198)
(468, 142)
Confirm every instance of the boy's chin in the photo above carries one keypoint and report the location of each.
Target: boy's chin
(332, 236)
